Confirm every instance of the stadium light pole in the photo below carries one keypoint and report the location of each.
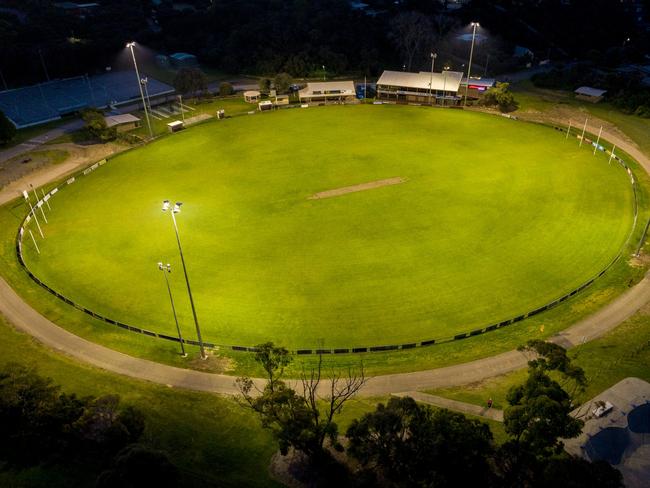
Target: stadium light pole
(469, 66)
(131, 45)
(177, 208)
(180, 101)
(444, 84)
(433, 62)
(145, 81)
(167, 268)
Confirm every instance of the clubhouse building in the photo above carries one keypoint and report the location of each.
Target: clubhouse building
(328, 92)
(446, 88)
(422, 87)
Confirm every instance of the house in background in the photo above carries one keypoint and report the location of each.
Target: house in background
(589, 94)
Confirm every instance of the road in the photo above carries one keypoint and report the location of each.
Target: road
(41, 139)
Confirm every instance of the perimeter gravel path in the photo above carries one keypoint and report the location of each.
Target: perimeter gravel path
(25, 318)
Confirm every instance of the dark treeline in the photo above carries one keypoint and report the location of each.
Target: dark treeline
(95, 437)
(300, 36)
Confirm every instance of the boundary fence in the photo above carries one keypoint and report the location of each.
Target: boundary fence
(306, 351)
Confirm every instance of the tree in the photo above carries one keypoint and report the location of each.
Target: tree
(282, 82)
(500, 96)
(33, 416)
(551, 357)
(539, 411)
(136, 466)
(301, 420)
(38, 423)
(411, 32)
(96, 125)
(103, 426)
(417, 446)
(191, 81)
(265, 85)
(7, 129)
(575, 472)
(226, 89)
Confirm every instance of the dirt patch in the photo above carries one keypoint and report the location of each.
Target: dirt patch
(640, 261)
(18, 166)
(356, 188)
(213, 364)
(16, 176)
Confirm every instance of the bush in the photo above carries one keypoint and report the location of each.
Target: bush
(136, 465)
(282, 82)
(265, 85)
(96, 125)
(500, 96)
(7, 129)
(226, 89)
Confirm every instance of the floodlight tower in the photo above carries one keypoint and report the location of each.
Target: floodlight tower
(471, 53)
(177, 208)
(433, 62)
(131, 45)
(167, 268)
(444, 84)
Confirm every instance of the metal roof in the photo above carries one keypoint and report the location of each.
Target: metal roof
(112, 120)
(590, 92)
(327, 87)
(447, 80)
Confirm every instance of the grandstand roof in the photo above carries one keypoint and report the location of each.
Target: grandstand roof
(37, 104)
(449, 81)
(113, 120)
(333, 88)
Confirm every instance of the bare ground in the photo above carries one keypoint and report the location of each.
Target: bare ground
(17, 176)
(355, 188)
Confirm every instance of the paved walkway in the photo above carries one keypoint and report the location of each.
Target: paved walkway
(27, 319)
(462, 407)
(41, 139)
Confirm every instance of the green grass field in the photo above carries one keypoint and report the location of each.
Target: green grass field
(495, 218)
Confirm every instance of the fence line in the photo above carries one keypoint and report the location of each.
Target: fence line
(358, 349)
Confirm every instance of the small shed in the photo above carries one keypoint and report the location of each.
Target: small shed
(265, 105)
(252, 96)
(281, 100)
(175, 126)
(122, 122)
(590, 94)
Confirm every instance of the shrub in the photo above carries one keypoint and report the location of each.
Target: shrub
(226, 89)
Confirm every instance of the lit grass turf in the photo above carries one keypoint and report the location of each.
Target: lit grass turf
(495, 219)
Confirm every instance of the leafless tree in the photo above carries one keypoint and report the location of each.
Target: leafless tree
(411, 32)
(304, 419)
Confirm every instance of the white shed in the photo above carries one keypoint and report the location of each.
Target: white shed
(252, 96)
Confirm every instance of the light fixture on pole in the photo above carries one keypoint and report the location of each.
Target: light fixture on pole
(444, 84)
(131, 45)
(324, 73)
(144, 82)
(167, 268)
(176, 209)
(469, 67)
(180, 102)
(433, 62)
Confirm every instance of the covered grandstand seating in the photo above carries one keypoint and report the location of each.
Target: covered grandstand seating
(41, 103)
